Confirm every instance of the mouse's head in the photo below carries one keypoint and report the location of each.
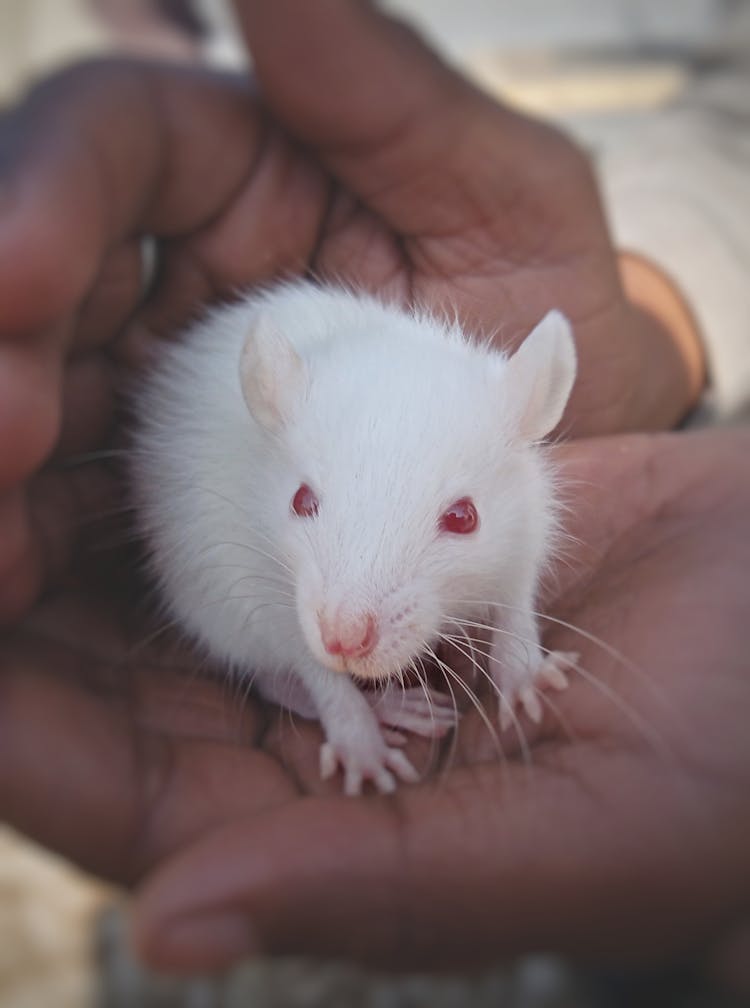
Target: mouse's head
(409, 484)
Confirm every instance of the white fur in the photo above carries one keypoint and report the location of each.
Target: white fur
(390, 417)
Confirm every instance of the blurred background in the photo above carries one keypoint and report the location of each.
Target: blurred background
(579, 59)
(598, 67)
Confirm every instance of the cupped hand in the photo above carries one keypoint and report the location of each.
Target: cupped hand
(624, 839)
(96, 159)
(366, 160)
(444, 197)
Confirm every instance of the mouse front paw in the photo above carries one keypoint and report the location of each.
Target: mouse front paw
(365, 757)
(524, 690)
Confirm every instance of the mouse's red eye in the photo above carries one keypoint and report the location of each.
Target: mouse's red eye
(460, 518)
(304, 502)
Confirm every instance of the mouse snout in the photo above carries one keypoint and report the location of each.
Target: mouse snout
(350, 635)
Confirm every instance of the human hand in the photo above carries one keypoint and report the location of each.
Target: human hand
(148, 166)
(625, 842)
(410, 182)
(443, 196)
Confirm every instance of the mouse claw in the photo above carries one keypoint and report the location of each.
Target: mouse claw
(506, 715)
(401, 765)
(328, 761)
(530, 703)
(352, 782)
(554, 677)
(385, 782)
(553, 670)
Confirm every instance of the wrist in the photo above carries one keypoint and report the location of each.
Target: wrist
(672, 342)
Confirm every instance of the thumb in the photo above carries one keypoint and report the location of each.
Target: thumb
(459, 872)
(379, 107)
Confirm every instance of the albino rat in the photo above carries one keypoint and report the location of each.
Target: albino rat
(326, 482)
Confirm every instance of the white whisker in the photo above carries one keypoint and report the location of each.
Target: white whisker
(646, 729)
(507, 705)
(472, 697)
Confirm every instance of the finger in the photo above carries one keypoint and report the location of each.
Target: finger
(30, 401)
(50, 786)
(21, 564)
(455, 875)
(65, 204)
(366, 101)
(40, 525)
(114, 297)
(380, 108)
(89, 402)
(268, 229)
(144, 167)
(117, 778)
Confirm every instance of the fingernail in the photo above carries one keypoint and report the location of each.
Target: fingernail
(207, 942)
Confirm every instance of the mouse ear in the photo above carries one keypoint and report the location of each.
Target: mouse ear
(272, 374)
(541, 375)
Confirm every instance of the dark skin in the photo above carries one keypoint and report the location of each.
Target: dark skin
(506, 227)
(626, 842)
(161, 779)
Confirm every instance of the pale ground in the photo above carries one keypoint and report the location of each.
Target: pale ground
(47, 916)
(46, 908)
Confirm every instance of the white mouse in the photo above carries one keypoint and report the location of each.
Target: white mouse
(326, 482)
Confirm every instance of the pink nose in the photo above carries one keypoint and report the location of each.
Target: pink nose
(349, 636)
